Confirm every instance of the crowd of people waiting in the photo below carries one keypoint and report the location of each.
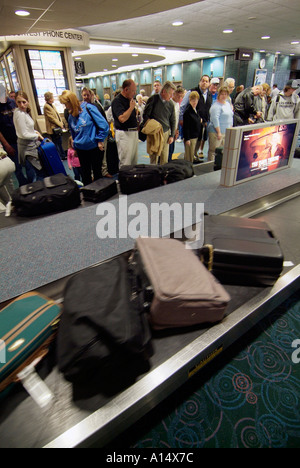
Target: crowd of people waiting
(201, 114)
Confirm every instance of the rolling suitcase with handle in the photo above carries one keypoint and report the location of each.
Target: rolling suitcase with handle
(49, 157)
(241, 251)
(180, 289)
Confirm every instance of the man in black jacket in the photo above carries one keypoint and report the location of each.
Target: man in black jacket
(204, 104)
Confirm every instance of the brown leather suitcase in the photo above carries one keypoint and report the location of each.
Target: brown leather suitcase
(185, 293)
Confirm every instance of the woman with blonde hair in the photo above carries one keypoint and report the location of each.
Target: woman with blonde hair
(89, 130)
(28, 137)
(221, 118)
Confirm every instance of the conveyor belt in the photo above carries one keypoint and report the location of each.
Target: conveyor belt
(78, 420)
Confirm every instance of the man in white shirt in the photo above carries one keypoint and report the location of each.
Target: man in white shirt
(286, 105)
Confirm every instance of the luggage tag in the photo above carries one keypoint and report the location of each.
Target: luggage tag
(35, 386)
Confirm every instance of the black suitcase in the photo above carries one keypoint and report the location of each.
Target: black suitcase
(241, 251)
(133, 179)
(176, 170)
(53, 194)
(100, 190)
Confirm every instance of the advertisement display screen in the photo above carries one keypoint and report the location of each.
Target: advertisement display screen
(265, 150)
(48, 74)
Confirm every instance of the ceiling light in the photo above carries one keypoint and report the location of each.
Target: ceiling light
(22, 13)
(262, 50)
(227, 31)
(292, 54)
(265, 37)
(125, 45)
(177, 23)
(135, 55)
(278, 52)
(115, 60)
(146, 61)
(114, 66)
(295, 42)
(161, 48)
(192, 50)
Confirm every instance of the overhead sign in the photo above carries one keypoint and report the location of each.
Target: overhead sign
(63, 38)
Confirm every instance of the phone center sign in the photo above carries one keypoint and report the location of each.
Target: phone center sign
(63, 38)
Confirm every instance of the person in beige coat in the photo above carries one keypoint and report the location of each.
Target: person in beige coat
(54, 124)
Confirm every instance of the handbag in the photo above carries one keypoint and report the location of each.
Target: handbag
(57, 131)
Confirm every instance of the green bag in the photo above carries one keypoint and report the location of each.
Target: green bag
(28, 324)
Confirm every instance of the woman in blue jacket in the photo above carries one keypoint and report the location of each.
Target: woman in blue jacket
(89, 130)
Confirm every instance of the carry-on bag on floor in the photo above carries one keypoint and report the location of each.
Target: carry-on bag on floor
(241, 251)
(28, 325)
(100, 190)
(176, 170)
(184, 292)
(51, 195)
(133, 179)
(50, 159)
(102, 333)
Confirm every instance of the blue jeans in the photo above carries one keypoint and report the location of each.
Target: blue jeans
(30, 172)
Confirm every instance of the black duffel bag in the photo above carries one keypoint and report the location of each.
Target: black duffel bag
(176, 170)
(133, 179)
(103, 335)
(53, 194)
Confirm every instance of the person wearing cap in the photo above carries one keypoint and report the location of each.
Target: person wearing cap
(213, 88)
(8, 138)
(286, 105)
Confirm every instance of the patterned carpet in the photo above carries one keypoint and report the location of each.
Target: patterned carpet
(249, 397)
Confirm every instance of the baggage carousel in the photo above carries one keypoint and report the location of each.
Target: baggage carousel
(83, 417)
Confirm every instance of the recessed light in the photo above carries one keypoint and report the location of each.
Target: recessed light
(177, 23)
(114, 66)
(278, 52)
(227, 31)
(265, 37)
(295, 42)
(125, 45)
(161, 48)
(22, 13)
(292, 54)
(192, 50)
(262, 50)
(115, 60)
(135, 55)
(146, 61)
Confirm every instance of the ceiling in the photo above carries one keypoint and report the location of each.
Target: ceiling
(148, 23)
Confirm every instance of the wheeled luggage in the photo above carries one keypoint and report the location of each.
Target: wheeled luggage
(50, 159)
(176, 170)
(241, 250)
(100, 190)
(102, 332)
(133, 179)
(181, 291)
(28, 325)
(53, 194)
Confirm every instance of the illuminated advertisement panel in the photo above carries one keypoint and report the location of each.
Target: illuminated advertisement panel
(47, 70)
(265, 149)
